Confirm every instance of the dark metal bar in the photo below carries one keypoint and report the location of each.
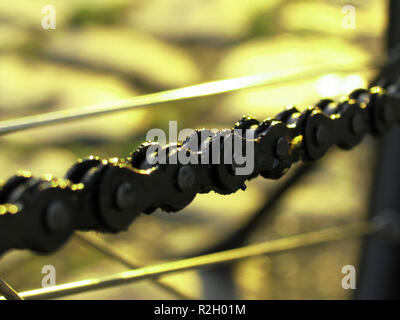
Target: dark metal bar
(380, 263)
(237, 238)
(217, 281)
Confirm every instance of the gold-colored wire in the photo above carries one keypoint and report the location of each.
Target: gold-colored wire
(352, 230)
(190, 92)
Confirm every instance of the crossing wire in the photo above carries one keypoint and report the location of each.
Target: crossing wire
(352, 230)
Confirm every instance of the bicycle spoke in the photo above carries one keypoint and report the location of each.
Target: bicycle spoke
(199, 90)
(352, 230)
(110, 251)
(238, 237)
(8, 292)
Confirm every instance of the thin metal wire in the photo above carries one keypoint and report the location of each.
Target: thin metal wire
(110, 251)
(352, 230)
(199, 90)
(8, 292)
(238, 237)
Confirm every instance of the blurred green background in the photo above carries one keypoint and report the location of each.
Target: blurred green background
(112, 49)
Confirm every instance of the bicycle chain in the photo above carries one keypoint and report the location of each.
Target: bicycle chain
(40, 214)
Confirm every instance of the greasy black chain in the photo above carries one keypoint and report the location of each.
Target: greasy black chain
(106, 195)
